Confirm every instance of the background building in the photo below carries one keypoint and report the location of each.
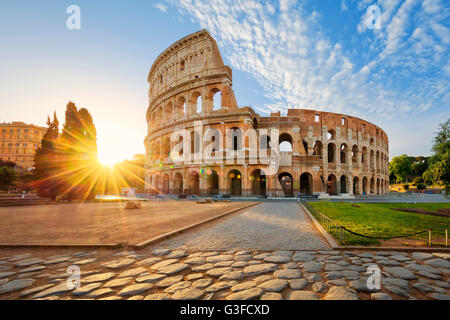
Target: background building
(19, 142)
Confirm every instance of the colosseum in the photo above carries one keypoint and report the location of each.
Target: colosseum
(317, 153)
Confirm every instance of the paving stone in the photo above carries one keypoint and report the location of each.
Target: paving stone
(312, 266)
(253, 262)
(244, 286)
(163, 263)
(365, 255)
(239, 264)
(232, 275)
(176, 254)
(389, 263)
(188, 294)
(282, 253)
(219, 258)
(261, 256)
(243, 253)
(117, 264)
(217, 272)
(220, 286)
(151, 278)
(440, 296)
(400, 272)
(203, 267)
(318, 287)
(422, 255)
(149, 261)
(438, 262)
(288, 274)
(194, 276)
(442, 284)
(312, 277)
(29, 262)
(84, 261)
(333, 267)
(87, 288)
(35, 290)
(210, 253)
(243, 258)
(422, 287)
(158, 296)
(343, 263)
(400, 257)
(277, 259)
(135, 289)
(367, 260)
(275, 285)
(424, 268)
(246, 294)
(178, 286)
(202, 283)
(57, 260)
(55, 290)
(271, 296)
(302, 295)
(395, 282)
(442, 255)
(298, 284)
(195, 260)
(132, 272)
(337, 282)
(350, 274)
(160, 252)
(333, 275)
(167, 282)
(101, 292)
(6, 274)
(98, 277)
(118, 282)
(357, 268)
(336, 258)
(259, 269)
(4, 280)
(263, 278)
(290, 265)
(330, 252)
(397, 290)
(223, 264)
(380, 296)
(302, 257)
(361, 286)
(341, 293)
(173, 268)
(20, 257)
(15, 285)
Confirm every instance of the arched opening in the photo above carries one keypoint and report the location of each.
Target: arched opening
(216, 99)
(372, 160)
(365, 186)
(157, 152)
(182, 65)
(212, 141)
(166, 147)
(258, 182)
(178, 184)
(212, 182)
(285, 179)
(378, 186)
(157, 186)
(331, 135)
(236, 139)
(364, 156)
(355, 185)
(372, 185)
(235, 183)
(331, 152)
(332, 185)
(165, 186)
(305, 146)
(195, 142)
(354, 154)
(194, 183)
(306, 183)
(285, 142)
(317, 150)
(180, 108)
(168, 112)
(343, 184)
(343, 154)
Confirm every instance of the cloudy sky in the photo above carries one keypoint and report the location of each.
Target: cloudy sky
(386, 61)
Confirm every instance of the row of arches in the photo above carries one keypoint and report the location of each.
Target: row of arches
(182, 106)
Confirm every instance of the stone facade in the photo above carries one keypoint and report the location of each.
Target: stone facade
(327, 153)
(19, 142)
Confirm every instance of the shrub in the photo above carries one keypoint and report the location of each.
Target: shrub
(418, 180)
(421, 186)
(406, 186)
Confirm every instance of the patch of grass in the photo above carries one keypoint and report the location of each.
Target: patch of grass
(379, 219)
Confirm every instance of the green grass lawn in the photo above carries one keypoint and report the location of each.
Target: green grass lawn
(378, 219)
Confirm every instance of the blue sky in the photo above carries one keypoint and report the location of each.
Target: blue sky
(284, 54)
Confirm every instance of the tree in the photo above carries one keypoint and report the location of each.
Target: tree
(7, 177)
(401, 167)
(46, 162)
(441, 143)
(7, 163)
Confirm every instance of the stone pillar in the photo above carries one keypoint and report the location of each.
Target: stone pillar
(245, 181)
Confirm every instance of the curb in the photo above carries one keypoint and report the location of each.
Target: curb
(164, 236)
(63, 246)
(328, 238)
(349, 248)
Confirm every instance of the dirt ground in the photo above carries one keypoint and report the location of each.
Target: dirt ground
(102, 223)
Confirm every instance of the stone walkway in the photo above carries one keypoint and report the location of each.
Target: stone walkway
(178, 274)
(278, 225)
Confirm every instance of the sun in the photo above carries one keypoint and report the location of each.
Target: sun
(109, 158)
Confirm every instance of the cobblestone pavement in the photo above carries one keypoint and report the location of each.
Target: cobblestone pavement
(247, 274)
(278, 225)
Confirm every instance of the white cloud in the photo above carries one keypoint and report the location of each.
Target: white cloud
(299, 67)
(344, 6)
(160, 6)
